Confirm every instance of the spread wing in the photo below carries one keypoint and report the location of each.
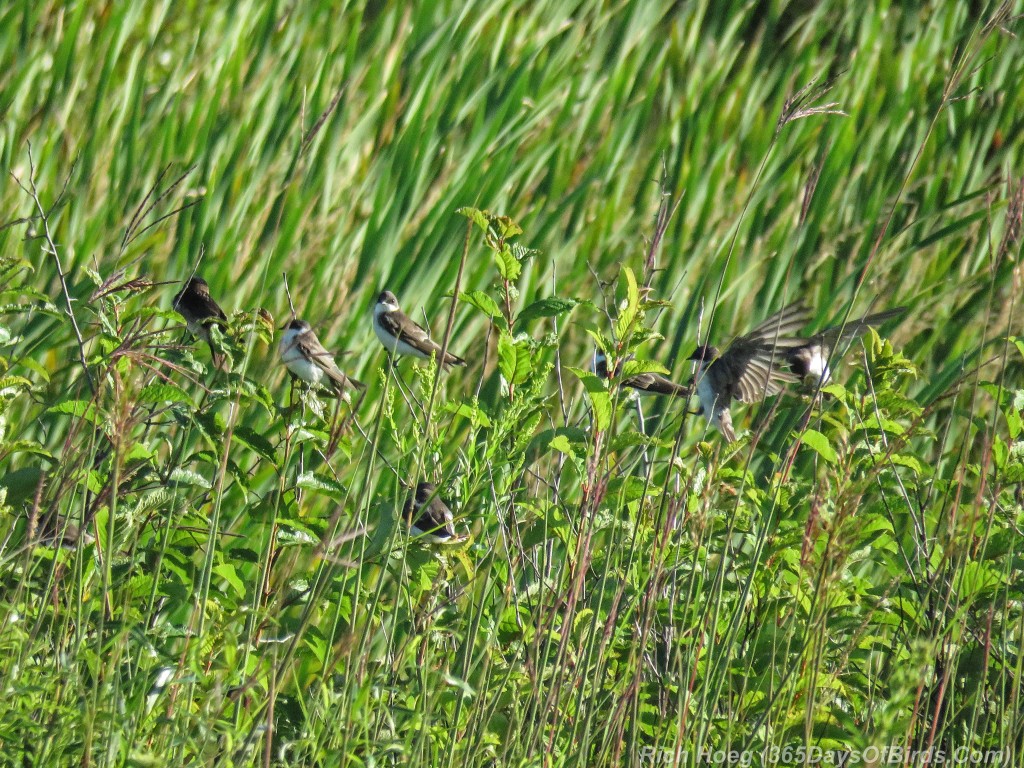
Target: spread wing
(784, 323)
(747, 371)
(831, 336)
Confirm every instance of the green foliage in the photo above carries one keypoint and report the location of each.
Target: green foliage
(209, 565)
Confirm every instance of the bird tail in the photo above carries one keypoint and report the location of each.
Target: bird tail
(218, 357)
(725, 426)
(452, 360)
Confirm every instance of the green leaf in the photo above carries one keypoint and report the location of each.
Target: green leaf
(471, 412)
(164, 393)
(81, 409)
(629, 307)
(813, 439)
(513, 359)
(187, 477)
(505, 227)
(634, 367)
(544, 441)
(258, 443)
(549, 307)
(475, 215)
(508, 267)
(597, 392)
(320, 484)
(485, 304)
(601, 341)
(227, 572)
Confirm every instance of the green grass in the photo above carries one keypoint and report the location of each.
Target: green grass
(844, 577)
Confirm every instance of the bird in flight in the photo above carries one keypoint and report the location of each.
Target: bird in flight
(748, 370)
(810, 361)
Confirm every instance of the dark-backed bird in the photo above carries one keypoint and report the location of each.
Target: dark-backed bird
(194, 303)
(304, 355)
(648, 383)
(428, 516)
(401, 336)
(810, 361)
(748, 370)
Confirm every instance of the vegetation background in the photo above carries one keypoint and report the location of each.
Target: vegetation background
(235, 588)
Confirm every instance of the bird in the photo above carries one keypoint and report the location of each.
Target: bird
(305, 357)
(810, 361)
(748, 368)
(428, 516)
(401, 336)
(194, 303)
(649, 383)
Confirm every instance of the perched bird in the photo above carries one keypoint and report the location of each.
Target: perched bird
(194, 303)
(810, 361)
(401, 336)
(644, 383)
(428, 516)
(58, 531)
(748, 368)
(306, 358)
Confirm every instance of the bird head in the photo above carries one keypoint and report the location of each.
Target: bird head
(705, 353)
(387, 302)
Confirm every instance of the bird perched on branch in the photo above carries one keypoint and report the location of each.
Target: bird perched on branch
(305, 357)
(428, 516)
(402, 336)
(194, 303)
(647, 383)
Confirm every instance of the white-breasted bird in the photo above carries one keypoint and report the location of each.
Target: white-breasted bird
(810, 361)
(748, 370)
(428, 516)
(307, 359)
(402, 336)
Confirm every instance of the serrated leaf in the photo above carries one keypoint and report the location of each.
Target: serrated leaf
(601, 341)
(82, 409)
(506, 227)
(164, 393)
(11, 386)
(508, 267)
(325, 485)
(817, 442)
(485, 304)
(188, 477)
(257, 442)
(549, 307)
(513, 359)
(561, 444)
(635, 367)
(475, 215)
